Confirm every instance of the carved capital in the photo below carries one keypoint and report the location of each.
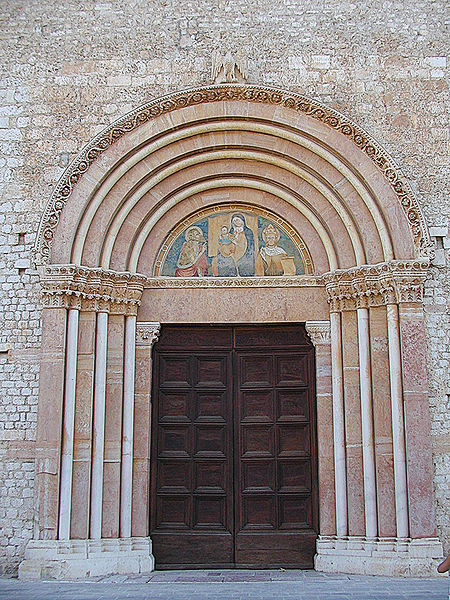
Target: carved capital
(147, 333)
(319, 332)
(376, 285)
(91, 289)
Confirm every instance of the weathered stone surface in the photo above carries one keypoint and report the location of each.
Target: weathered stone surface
(70, 70)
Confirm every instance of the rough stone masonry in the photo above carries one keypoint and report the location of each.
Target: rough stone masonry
(70, 69)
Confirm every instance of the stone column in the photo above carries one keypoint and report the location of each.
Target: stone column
(319, 332)
(82, 451)
(68, 425)
(382, 422)
(368, 450)
(98, 442)
(352, 424)
(146, 335)
(398, 423)
(126, 482)
(338, 425)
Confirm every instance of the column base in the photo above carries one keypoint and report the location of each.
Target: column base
(380, 556)
(75, 559)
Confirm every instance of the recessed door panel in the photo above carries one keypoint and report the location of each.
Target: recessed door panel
(233, 457)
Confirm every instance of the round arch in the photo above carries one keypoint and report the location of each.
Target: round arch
(137, 164)
(359, 303)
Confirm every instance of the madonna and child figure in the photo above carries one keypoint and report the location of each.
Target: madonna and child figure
(232, 244)
(236, 252)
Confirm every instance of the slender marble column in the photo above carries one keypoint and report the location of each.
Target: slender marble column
(126, 482)
(98, 443)
(338, 425)
(65, 504)
(398, 423)
(368, 451)
(319, 332)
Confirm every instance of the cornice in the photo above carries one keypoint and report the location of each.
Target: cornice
(91, 289)
(231, 92)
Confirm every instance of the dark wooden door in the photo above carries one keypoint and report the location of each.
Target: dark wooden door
(233, 447)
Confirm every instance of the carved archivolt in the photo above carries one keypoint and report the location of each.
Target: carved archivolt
(91, 289)
(232, 92)
(319, 332)
(375, 285)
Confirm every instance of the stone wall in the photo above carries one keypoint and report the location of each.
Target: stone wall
(72, 68)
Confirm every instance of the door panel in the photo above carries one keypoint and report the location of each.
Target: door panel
(233, 459)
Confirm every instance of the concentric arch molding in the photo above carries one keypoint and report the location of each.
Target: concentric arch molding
(231, 92)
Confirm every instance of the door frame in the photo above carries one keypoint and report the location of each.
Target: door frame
(233, 443)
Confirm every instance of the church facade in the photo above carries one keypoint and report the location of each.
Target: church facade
(240, 346)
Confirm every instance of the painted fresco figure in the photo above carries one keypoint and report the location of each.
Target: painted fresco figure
(192, 258)
(243, 241)
(269, 260)
(224, 265)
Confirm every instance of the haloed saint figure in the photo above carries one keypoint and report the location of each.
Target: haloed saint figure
(192, 258)
(271, 258)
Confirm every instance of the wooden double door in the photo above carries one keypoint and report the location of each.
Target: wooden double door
(233, 447)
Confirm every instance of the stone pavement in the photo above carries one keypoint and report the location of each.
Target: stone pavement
(229, 585)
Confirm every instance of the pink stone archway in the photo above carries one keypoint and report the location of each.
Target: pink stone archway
(362, 305)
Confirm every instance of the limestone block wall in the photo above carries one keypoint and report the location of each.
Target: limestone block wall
(69, 69)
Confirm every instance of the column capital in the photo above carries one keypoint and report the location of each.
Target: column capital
(384, 283)
(147, 333)
(319, 332)
(91, 289)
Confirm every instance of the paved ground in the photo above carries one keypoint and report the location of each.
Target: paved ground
(230, 585)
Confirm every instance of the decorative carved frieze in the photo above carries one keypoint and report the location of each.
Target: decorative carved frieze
(147, 333)
(91, 289)
(232, 92)
(375, 285)
(98, 290)
(319, 332)
(233, 282)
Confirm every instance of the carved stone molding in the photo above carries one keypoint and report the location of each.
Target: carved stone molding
(98, 290)
(319, 332)
(91, 289)
(232, 282)
(376, 285)
(147, 333)
(232, 92)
